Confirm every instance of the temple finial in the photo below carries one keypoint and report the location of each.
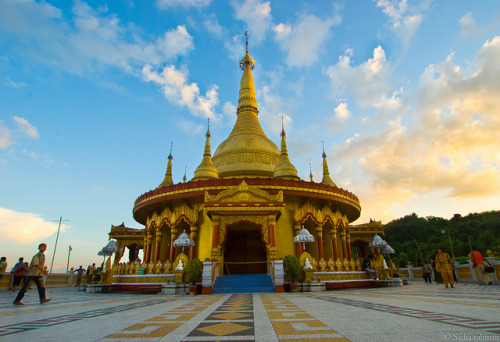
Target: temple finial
(185, 177)
(246, 36)
(283, 134)
(168, 174)
(310, 172)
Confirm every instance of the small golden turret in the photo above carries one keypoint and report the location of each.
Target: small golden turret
(206, 169)
(326, 175)
(168, 175)
(285, 168)
(184, 179)
(310, 173)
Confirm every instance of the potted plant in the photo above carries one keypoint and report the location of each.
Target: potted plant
(292, 268)
(192, 274)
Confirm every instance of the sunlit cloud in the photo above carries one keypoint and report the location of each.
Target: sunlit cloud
(448, 141)
(25, 228)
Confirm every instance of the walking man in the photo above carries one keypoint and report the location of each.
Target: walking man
(35, 274)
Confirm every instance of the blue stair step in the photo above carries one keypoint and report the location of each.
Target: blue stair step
(243, 283)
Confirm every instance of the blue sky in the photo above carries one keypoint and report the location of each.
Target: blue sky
(404, 95)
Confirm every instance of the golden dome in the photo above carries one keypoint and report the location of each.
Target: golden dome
(247, 152)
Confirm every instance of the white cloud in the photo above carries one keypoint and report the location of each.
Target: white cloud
(25, 127)
(17, 85)
(177, 90)
(25, 228)
(304, 41)
(165, 4)
(368, 82)
(175, 42)
(212, 26)
(405, 19)
(6, 138)
(11, 135)
(91, 38)
(468, 25)
(235, 47)
(229, 111)
(272, 109)
(257, 16)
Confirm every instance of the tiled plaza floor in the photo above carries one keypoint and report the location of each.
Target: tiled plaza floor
(417, 312)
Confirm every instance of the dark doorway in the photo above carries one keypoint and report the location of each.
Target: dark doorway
(244, 251)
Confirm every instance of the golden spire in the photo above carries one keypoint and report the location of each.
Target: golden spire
(168, 175)
(326, 175)
(310, 173)
(184, 179)
(285, 168)
(247, 152)
(207, 168)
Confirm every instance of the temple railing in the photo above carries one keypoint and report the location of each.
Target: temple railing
(464, 272)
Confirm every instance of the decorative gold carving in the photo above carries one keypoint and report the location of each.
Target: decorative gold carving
(243, 193)
(352, 265)
(342, 276)
(261, 220)
(345, 264)
(173, 217)
(322, 265)
(338, 265)
(167, 266)
(137, 265)
(331, 265)
(150, 268)
(303, 212)
(158, 267)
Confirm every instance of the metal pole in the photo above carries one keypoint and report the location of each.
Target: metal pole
(69, 252)
(449, 239)
(55, 247)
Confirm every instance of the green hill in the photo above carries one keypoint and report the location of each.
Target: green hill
(417, 238)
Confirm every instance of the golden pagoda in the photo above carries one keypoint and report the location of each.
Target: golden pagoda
(246, 203)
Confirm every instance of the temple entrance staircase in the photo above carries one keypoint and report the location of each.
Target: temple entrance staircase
(243, 283)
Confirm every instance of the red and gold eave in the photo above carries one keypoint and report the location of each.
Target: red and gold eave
(194, 192)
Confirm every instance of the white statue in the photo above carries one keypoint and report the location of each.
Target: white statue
(307, 265)
(180, 266)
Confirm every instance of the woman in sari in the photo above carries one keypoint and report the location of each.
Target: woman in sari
(443, 266)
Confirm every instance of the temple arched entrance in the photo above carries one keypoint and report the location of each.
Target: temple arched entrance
(244, 250)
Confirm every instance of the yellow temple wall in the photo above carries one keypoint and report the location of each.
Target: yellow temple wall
(204, 240)
(285, 234)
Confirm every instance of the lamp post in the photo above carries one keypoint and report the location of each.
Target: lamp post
(55, 247)
(69, 253)
(449, 240)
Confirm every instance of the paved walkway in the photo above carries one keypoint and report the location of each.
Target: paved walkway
(417, 312)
